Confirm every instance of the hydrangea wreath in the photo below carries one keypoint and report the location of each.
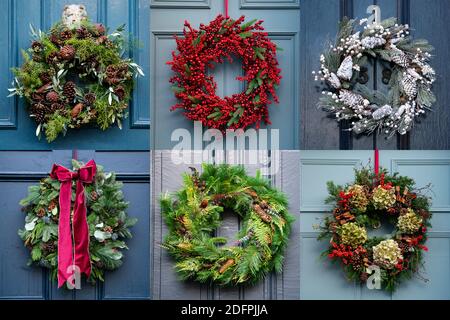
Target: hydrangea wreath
(199, 50)
(407, 74)
(107, 220)
(194, 215)
(366, 203)
(74, 76)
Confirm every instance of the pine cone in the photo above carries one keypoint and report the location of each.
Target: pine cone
(52, 96)
(94, 195)
(120, 92)
(38, 111)
(53, 58)
(227, 264)
(69, 90)
(66, 35)
(45, 77)
(41, 212)
(262, 214)
(102, 40)
(36, 97)
(101, 30)
(67, 52)
(204, 204)
(55, 39)
(400, 58)
(112, 81)
(83, 33)
(409, 86)
(76, 110)
(56, 106)
(89, 98)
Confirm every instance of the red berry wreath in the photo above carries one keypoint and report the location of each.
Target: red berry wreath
(199, 50)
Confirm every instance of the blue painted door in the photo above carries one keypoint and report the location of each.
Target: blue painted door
(17, 129)
(319, 279)
(24, 159)
(281, 21)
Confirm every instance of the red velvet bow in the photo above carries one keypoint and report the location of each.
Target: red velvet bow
(73, 256)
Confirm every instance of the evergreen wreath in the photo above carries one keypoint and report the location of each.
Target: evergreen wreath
(366, 203)
(74, 76)
(408, 75)
(199, 50)
(194, 215)
(107, 220)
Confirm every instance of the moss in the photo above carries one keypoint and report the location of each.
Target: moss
(87, 48)
(56, 125)
(29, 73)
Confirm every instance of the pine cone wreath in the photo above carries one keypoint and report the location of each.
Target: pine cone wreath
(67, 52)
(89, 98)
(52, 96)
(69, 90)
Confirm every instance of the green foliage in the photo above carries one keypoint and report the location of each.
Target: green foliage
(56, 125)
(195, 213)
(407, 197)
(106, 213)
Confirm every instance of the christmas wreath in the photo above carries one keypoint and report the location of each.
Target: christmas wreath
(367, 203)
(407, 74)
(74, 76)
(199, 50)
(194, 216)
(108, 224)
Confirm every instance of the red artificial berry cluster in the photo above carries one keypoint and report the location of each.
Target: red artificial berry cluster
(199, 50)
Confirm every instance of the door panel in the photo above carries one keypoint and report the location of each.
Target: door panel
(17, 129)
(281, 21)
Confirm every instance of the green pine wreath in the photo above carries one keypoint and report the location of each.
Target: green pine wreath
(107, 220)
(73, 76)
(195, 213)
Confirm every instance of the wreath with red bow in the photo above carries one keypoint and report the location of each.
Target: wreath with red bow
(199, 50)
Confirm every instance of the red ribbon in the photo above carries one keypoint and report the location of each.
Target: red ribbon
(73, 256)
(377, 163)
(226, 8)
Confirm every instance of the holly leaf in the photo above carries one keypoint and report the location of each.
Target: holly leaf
(248, 24)
(246, 34)
(178, 89)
